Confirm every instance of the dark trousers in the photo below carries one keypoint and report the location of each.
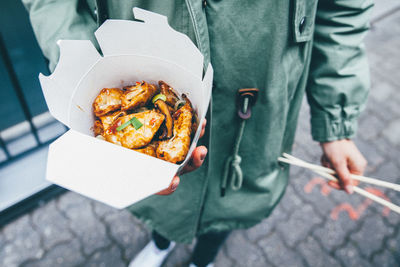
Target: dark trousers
(206, 248)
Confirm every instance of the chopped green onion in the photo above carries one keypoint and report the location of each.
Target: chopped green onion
(123, 126)
(159, 96)
(136, 123)
(179, 104)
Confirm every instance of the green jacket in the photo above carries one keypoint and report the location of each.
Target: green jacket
(282, 47)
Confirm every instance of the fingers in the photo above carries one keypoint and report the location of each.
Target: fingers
(325, 162)
(334, 185)
(357, 163)
(203, 128)
(344, 157)
(197, 159)
(340, 166)
(171, 188)
(337, 186)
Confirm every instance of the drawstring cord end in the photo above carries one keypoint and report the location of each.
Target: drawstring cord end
(246, 99)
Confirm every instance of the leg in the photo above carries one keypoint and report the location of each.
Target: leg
(207, 248)
(161, 242)
(154, 253)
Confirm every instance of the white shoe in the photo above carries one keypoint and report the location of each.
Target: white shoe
(151, 255)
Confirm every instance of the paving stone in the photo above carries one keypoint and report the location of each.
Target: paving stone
(299, 225)
(128, 232)
(102, 210)
(2, 240)
(64, 254)
(386, 259)
(393, 105)
(371, 154)
(393, 246)
(350, 256)
(243, 252)
(314, 190)
(371, 235)
(391, 217)
(90, 231)
(23, 243)
(371, 127)
(392, 132)
(266, 226)
(180, 256)
(72, 201)
(314, 254)
(333, 233)
(381, 91)
(106, 258)
(278, 254)
(290, 201)
(387, 171)
(222, 260)
(52, 226)
(382, 8)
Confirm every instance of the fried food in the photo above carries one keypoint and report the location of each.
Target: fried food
(98, 128)
(108, 100)
(130, 119)
(169, 92)
(137, 95)
(175, 149)
(169, 123)
(130, 137)
(107, 120)
(148, 150)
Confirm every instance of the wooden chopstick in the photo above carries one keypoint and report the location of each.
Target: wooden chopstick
(321, 171)
(360, 178)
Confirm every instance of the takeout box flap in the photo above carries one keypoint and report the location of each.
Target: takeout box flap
(104, 171)
(76, 58)
(152, 37)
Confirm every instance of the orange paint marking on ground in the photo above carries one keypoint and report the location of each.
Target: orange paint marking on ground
(355, 213)
(325, 188)
(379, 193)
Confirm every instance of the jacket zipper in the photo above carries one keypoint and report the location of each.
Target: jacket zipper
(205, 185)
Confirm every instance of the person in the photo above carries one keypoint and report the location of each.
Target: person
(284, 49)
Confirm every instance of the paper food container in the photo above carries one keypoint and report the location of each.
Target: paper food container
(132, 51)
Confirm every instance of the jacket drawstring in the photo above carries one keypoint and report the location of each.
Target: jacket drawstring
(232, 167)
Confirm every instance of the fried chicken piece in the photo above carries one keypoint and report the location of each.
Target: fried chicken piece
(107, 120)
(175, 149)
(148, 150)
(108, 100)
(138, 95)
(98, 128)
(130, 137)
(169, 92)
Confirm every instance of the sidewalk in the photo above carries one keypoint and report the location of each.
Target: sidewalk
(312, 226)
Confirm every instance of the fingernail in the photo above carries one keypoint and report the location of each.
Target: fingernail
(174, 186)
(349, 189)
(203, 156)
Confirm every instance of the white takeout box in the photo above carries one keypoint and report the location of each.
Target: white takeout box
(132, 51)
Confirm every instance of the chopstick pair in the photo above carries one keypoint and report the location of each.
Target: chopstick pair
(329, 174)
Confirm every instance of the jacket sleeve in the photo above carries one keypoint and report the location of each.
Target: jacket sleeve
(338, 82)
(53, 20)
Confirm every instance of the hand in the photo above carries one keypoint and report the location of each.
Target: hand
(196, 160)
(343, 157)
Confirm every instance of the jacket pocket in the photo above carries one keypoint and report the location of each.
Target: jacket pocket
(304, 19)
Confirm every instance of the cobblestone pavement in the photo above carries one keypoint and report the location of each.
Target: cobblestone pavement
(312, 226)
